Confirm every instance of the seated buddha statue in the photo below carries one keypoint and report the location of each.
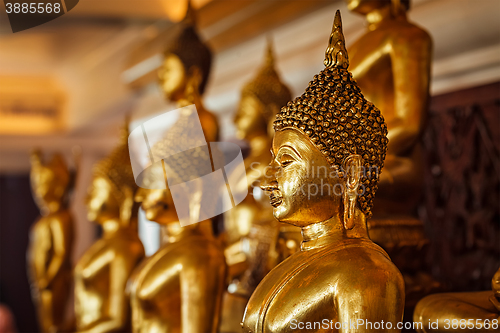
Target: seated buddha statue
(460, 312)
(391, 63)
(184, 74)
(185, 70)
(180, 287)
(251, 231)
(51, 241)
(101, 274)
(328, 145)
(261, 99)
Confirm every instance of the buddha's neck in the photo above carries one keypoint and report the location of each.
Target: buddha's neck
(111, 227)
(331, 231)
(192, 98)
(379, 15)
(176, 233)
(51, 207)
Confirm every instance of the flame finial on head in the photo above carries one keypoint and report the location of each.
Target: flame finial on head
(336, 53)
(267, 86)
(269, 52)
(190, 17)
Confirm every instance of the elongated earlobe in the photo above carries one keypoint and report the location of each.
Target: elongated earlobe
(352, 170)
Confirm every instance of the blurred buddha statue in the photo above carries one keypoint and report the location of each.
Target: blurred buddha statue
(101, 304)
(180, 287)
(251, 230)
(261, 99)
(185, 70)
(184, 74)
(391, 63)
(326, 148)
(461, 312)
(51, 241)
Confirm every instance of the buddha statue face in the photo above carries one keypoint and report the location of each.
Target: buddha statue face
(302, 183)
(111, 193)
(100, 201)
(49, 182)
(261, 99)
(186, 66)
(158, 205)
(249, 120)
(172, 77)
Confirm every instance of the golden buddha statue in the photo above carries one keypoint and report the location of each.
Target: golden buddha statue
(460, 312)
(184, 74)
(101, 274)
(51, 241)
(391, 63)
(185, 71)
(328, 149)
(252, 233)
(261, 99)
(180, 287)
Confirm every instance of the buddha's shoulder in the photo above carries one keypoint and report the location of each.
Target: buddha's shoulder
(197, 248)
(359, 260)
(400, 30)
(129, 247)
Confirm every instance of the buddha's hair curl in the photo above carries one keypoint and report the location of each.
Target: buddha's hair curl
(338, 120)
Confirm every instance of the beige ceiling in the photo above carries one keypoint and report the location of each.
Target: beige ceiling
(146, 9)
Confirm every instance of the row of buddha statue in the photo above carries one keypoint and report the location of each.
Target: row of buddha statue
(294, 256)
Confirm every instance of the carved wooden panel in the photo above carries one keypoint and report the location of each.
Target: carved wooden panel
(461, 206)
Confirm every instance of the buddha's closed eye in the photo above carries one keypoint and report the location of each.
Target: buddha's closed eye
(286, 160)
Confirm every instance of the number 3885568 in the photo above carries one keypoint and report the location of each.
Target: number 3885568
(32, 8)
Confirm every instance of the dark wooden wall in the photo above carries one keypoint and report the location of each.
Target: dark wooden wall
(17, 213)
(461, 207)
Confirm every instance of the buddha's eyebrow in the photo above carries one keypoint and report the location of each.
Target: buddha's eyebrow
(291, 148)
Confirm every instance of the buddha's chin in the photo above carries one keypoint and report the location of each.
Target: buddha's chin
(91, 216)
(281, 212)
(151, 214)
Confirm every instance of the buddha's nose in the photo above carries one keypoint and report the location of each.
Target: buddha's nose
(269, 182)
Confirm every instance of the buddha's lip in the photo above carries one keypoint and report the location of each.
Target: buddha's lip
(276, 198)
